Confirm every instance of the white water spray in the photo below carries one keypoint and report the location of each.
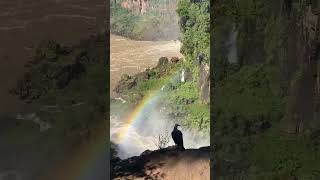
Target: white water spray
(143, 136)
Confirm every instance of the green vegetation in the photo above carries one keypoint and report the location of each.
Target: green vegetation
(251, 96)
(194, 24)
(158, 23)
(182, 99)
(184, 103)
(185, 99)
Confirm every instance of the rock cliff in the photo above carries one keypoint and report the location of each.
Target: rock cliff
(169, 163)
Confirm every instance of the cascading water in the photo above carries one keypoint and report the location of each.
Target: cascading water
(232, 43)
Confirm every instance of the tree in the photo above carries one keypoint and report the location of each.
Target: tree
(162, 140)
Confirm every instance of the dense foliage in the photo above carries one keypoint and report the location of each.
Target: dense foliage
(251, 95)
(194, 24)
(158, 23)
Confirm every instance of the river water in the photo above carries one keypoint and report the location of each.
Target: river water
(24, 23)
(130, 57)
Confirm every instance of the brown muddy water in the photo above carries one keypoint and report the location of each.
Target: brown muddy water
(130, 57)
(24, 23)
(26, 153)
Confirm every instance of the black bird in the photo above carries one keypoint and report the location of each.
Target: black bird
(177, 136)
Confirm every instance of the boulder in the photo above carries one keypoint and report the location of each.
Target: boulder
(124, 85)
(174, 59)
(152, 73)
(163, 61)
(125, 77)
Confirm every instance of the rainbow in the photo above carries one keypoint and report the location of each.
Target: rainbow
(142, 109)
(81, 163)
(84, 161)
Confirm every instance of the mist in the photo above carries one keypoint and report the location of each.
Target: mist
(168, 27)
(143, 135)
(160, 22)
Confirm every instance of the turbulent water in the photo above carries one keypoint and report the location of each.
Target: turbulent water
(24, 23)
(130, 57)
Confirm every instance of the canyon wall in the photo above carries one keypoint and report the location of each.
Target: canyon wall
(140, 6)
(303, 69)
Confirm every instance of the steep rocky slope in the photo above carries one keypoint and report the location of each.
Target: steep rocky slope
(169, 163)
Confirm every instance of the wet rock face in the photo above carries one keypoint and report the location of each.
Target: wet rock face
(204, 83)
(303, 70)
(204, 78)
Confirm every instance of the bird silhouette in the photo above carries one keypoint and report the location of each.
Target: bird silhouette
(177, 137)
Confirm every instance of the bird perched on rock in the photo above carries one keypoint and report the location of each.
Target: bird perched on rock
(177, 137)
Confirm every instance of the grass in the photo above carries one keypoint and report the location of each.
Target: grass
(180, 99)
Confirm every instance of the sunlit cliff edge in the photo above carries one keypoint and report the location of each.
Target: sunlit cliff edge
(168, 163)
